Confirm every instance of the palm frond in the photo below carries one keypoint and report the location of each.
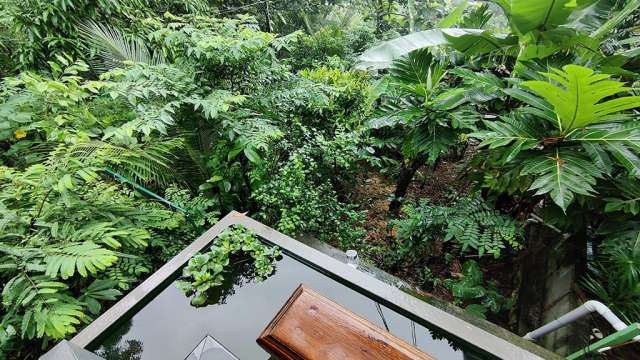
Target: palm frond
(115, 48)
(150, 163)
(419, 72)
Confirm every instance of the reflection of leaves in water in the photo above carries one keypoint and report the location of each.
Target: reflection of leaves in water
(470, 354)
(110, 345)
(438, 334)
(242, 272)
(131, 350)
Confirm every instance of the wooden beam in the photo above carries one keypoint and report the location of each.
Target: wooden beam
(311, 327)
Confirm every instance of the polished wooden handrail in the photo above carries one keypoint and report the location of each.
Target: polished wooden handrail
(311, 327)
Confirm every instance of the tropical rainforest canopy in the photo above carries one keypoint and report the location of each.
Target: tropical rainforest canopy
(431, 136)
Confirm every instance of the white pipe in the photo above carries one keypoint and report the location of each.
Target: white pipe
(577, 313)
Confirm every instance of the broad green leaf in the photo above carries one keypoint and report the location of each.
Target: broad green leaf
(505, 5)
(577, 95)
(379, 88)
(65, 183)
(537, 45)
(512, 132)
(590, 18)
(393, 115)
(450, 99)
(478, 78)
(540, 107)
(477, 42)
(99, 290)
(430, 142)
(470, 41)
(384, 121)
(528, 15)
(621, 141)
(454, 16)
(381, 56)
(417, 72)
(615, 20)
(626, 157)
(599, 156)
(628, 200)
(479, 87)
(562, 175)
(252, 155)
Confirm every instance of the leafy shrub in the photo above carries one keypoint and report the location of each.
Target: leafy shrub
(471, 223)
(71, 240)
(216, 44)
(52, 108)
(51, 28)
(351, 88)
(614, 269)
(564, 141)
(470, 288)
(174, 97)
(298, 204)
(202, 211)
(206, 271)
(300, 187)
(328, 43)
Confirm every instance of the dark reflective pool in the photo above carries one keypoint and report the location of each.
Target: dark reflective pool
(169, 327)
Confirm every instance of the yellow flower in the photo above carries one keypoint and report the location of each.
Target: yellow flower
(20, 134)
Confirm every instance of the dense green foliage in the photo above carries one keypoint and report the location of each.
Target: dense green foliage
(469, 289)
(559, 127)
(206, 271)
(472, 224)
(565, 147)
(128, 127)
(198, 109)
(72, 239)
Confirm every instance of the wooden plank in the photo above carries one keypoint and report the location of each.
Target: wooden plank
(312, 327)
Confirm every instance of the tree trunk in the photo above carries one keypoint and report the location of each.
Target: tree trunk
(267, 15)
(407, 171)
(411, 7)
(381, 25)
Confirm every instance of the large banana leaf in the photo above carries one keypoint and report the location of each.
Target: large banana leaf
(528, 15)
(592, 17)
(615, 20)
(469, 41)
(577, 95)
